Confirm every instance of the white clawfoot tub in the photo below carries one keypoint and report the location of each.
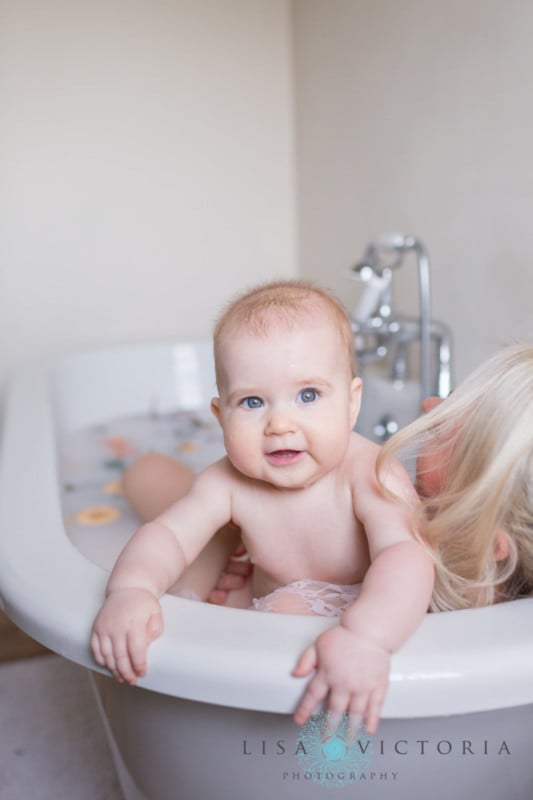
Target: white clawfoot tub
(212, 716)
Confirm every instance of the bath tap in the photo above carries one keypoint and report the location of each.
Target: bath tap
(377, 330)
(384, 338)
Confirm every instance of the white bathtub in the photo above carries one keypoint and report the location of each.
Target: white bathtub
(212, 716)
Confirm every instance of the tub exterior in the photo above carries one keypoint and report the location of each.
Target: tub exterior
(167, 748)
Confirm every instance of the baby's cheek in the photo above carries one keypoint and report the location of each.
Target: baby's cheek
(239, 448)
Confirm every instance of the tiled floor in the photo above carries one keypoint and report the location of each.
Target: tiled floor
(52, 742)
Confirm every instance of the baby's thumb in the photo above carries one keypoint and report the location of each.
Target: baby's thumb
(306, 663)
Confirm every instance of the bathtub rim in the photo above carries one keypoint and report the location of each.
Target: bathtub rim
(482, 664)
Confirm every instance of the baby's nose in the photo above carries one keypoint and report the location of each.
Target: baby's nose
(279, 422)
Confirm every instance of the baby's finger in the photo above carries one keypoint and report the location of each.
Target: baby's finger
(353, 724)
(137, 647)
(306, 663)
(104, 656)
(315, 693)
(96, 650)
(124, 670)
(375, 705)
(357, 708)
(337, 705)
(106, 646)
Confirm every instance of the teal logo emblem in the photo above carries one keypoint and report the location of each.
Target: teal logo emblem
(333, 756)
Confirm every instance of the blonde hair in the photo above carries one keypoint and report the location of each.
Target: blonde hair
(287, 303)
(485, 429)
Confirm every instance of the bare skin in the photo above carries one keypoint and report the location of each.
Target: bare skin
(237, 572)
(235, 577)
(301, 487)
(155, 482)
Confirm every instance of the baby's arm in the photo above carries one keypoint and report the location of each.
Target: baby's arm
(353, 658)
(150, 563)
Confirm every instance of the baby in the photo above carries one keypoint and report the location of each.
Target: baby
(301, 486)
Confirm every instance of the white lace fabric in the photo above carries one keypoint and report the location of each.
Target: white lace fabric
(309, 597)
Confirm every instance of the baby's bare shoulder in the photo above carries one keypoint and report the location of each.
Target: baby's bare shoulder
(220, 474)
(223, 475)
(362, 457)
(375, 502)
(363, 452)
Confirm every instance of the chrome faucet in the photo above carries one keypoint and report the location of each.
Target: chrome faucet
(378, 332)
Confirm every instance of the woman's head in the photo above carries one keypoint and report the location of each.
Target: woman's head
(476, 474)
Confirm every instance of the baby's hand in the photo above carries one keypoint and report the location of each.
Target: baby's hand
(126, 624)
(354, 671)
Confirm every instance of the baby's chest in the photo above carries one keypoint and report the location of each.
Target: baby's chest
(295, 509)
(300, 525)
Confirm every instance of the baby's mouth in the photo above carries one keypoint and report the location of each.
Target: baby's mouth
(281, 457)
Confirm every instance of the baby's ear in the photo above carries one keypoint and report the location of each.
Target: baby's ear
(501, 545)
(215, 407)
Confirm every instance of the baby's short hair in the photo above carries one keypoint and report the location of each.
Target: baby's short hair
(282, 302)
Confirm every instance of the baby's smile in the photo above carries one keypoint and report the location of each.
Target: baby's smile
(284, 457)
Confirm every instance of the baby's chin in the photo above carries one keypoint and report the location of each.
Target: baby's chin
(278, 478)
(291, 480)
(290, 476)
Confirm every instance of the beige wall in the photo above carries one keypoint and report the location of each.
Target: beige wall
(146, 163)
(417, 115)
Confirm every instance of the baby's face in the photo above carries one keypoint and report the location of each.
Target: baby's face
(287, 403)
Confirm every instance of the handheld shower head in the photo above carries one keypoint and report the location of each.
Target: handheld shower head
(383, 254)
(393, 241)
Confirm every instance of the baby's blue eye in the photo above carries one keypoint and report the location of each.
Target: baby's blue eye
(251, 402)
(308, 396)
